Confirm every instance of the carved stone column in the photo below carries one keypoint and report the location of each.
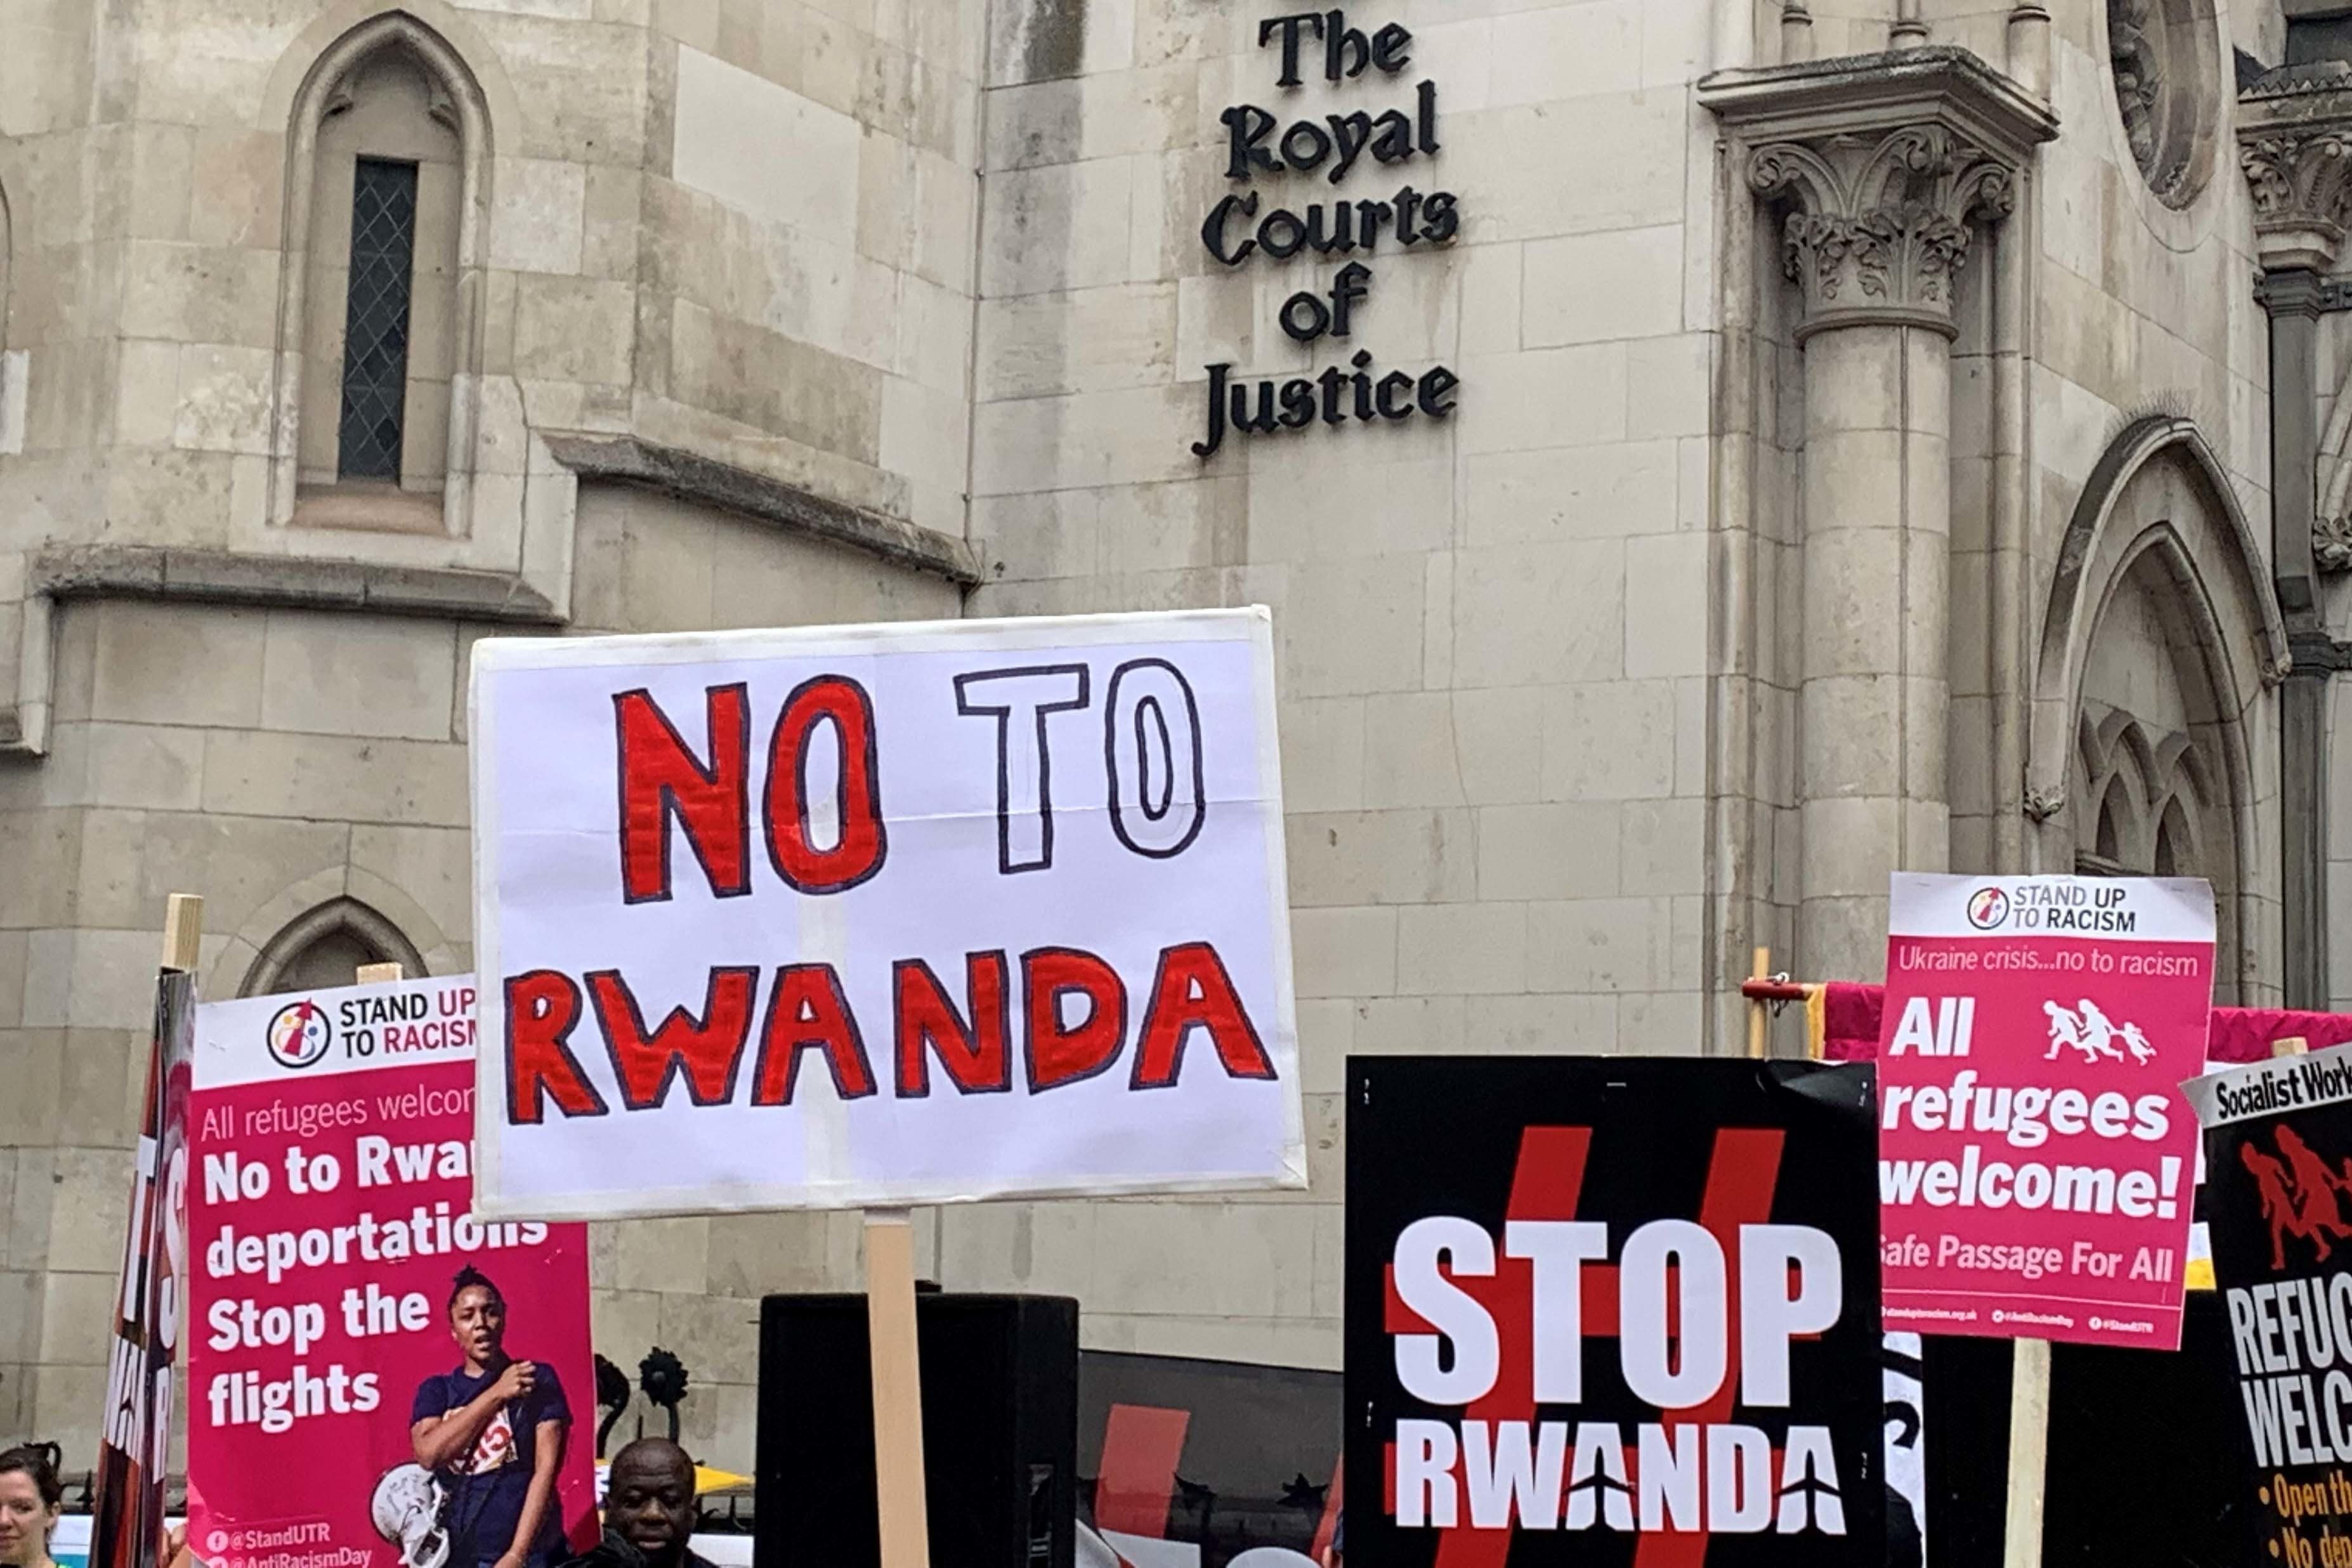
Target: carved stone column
(1885, 169)
(2295, 146)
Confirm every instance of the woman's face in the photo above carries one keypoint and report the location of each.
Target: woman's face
(25, 1519)
(477, 1322)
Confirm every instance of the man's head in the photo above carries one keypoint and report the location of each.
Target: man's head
(649, 1499)
(478, 1317)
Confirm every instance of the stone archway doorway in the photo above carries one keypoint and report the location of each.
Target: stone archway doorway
(2159, 651)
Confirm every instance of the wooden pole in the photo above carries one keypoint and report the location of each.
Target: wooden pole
(2029, 1454)
(184, 928)
(381, 973)
(897, 1390)
(2293, 1046)
(1759, 967)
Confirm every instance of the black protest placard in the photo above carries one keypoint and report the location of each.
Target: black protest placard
(2278, 1201)
(1612, 1311)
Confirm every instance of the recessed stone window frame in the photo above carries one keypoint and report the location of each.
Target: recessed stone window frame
(433, 494)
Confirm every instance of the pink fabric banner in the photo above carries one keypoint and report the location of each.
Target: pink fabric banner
(1852, 1013)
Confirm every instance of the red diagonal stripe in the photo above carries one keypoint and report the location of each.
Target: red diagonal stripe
(1548, 1184)
(1396, 1318)
(1551, 1176)
(1740, 1179)
(1142, 1445)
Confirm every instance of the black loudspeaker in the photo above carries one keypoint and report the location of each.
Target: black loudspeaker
(1000, 1431)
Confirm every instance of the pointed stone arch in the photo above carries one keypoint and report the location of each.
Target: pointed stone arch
(2116, 824)
(2158, 534)
(2177, 842)
(325, 946)
(337, 888)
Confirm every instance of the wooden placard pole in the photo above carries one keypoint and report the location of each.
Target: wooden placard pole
(381, 975)
(184, 929)
(2029, 1454)
(1759, 968)
(899, 1495)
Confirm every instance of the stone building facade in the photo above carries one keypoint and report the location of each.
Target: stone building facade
(1746, 447)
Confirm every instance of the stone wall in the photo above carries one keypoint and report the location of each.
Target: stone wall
(269, 759)
(741, 233)
(274, 760)
(809, 211)
(640, 258)
(1492, 631)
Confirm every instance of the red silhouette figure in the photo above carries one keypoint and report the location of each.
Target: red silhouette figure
(2278, 1203)
(2322, 1189)
(2300, 1194)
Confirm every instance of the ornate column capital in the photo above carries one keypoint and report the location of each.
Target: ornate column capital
(1884, 163)
(2294, 147)
(1879, 229)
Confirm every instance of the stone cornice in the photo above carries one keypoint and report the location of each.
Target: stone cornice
(689, 475)
(2318, 657)
(1860, 94)
(2294, 147)
(2307, 82)
(1885, 162)
(290, 582)
(91, 572)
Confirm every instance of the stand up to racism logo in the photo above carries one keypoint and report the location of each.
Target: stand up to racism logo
(299, 1034)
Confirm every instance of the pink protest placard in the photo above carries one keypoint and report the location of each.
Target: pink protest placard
(2036, 1158)
(376, 1379)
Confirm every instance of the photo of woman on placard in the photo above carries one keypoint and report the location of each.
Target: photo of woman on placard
(493, 1432)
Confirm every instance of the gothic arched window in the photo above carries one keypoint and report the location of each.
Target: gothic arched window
(379, 300)
(326, 947)
(388, 171)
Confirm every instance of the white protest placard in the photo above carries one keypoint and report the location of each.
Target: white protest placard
(873, 916)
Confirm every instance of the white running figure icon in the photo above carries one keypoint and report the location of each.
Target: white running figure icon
(2098, 1032)
(2066, 1029)
(2090, 1031)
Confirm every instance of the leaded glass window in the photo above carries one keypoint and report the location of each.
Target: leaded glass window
(375, 320)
